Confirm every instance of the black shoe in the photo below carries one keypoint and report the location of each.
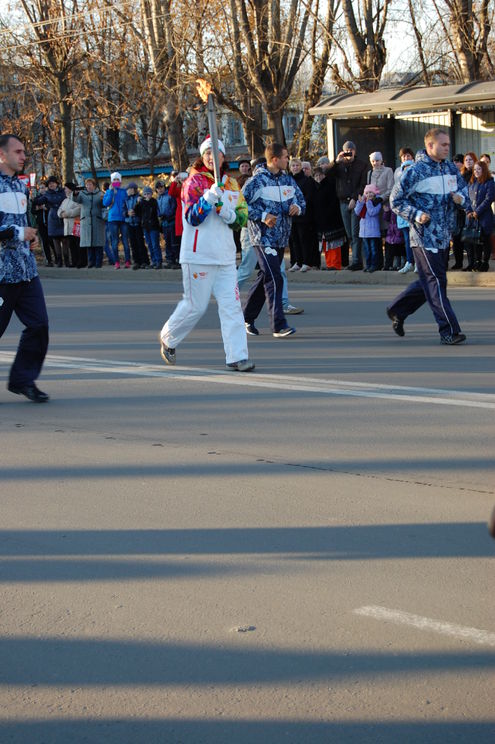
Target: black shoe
(31, 392)
(452, 339)
(251, 329)
(468, 268)
(456, 267)
(355, 267)
(397, 324)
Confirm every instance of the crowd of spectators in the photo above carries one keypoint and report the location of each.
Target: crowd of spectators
(347, 223)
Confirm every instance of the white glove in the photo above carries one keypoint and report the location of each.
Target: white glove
(213, 195)
(227, 214)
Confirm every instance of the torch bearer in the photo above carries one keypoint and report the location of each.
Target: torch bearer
(204, 92)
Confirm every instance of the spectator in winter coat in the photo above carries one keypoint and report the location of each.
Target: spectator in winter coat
(53, 198)
(405, 155)
(92, 236)
(403, 226)
(328, 220)
(39, 209)
(350, 179)
(147, 211)
(175, 189)
(140, 256)
(167, 208)
(70, 212)
(303, 242)
(368, 208)
(114, 199)
(481, 196)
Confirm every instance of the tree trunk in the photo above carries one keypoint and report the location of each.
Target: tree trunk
(275, 131)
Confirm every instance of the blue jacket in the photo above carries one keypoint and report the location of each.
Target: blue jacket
(369, 225)
(481, 196)
(114, 199)
(167, 206)
(426, 187)
(130, 203)
(267, 193)
(17, 262)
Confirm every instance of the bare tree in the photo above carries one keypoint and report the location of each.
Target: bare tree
(365, 24)
(320, 63)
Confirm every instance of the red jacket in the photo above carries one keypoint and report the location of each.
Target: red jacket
(174, 190)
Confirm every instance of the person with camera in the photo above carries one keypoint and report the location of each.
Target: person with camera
(20, 287)
(349, 173)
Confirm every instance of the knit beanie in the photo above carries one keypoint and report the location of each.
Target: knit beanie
(206, 145)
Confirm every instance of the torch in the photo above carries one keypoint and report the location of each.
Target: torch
(204, 92)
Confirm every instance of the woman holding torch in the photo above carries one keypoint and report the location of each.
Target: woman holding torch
(212, 209)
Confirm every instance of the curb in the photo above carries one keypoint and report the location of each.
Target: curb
(378, 278)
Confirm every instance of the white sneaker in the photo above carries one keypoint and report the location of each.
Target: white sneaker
(415, 269)
(406, 268)
(291, 310)
(295, 267)
(305, 267)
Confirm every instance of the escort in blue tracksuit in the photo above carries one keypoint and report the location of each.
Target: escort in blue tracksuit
(273, 198)
(20, 287)
(426, 196)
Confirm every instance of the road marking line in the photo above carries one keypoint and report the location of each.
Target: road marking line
(461, 632)
(278, 382)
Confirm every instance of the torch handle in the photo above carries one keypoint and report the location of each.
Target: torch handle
(212, 126)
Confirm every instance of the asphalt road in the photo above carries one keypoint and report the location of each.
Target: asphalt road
(299, 554)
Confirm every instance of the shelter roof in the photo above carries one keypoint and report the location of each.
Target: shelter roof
(407, 100)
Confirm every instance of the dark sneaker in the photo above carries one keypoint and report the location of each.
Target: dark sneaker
(245, 365)
(397, 324)
(251, 329)
(283, 332)
(31, 392)
(452, 339)
(168, 355)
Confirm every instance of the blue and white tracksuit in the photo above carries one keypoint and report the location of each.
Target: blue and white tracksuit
(20, 287)
(426, 187)
(269, 193)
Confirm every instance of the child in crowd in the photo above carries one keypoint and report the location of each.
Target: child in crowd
(139, 253)
(394, 243)
(147, 211)
(368, 208)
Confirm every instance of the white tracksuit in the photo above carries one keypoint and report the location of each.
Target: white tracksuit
(208, 264)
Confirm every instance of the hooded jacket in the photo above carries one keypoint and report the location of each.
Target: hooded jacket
(271, 193)
(426, 187)
(207, 238)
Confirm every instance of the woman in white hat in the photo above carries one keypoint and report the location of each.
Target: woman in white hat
(211, 211)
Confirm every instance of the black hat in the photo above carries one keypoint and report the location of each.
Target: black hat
(52, 179)
(71, 186)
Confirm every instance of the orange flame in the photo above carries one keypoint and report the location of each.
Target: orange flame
(204, 89)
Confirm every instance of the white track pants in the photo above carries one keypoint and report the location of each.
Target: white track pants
(200, 282)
